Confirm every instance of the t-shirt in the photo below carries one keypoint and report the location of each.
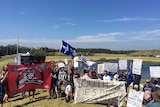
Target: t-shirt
(155, 104)
(85, 77)
(55, 77)
(68, 89)
(62, 75)
(106, 78)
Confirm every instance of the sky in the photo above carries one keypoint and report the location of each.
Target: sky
(110, 24)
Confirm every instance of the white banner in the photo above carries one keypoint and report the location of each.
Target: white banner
(100, 68)
(122, 64)
(98, 91)
(111, 67)
(135, 98)
(155, 71)
(137, 65)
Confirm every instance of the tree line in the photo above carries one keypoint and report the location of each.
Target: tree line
(12, 49)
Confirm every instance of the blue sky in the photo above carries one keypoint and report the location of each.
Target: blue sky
(111, 24)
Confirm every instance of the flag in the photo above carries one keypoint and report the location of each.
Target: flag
(86, 62)
(67, 49)
(130, 75)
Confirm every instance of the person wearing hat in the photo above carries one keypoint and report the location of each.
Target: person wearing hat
(135, 87)
(62, 75)
(156, 99)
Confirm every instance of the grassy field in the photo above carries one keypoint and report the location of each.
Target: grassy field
(41, 96)
(42, 101)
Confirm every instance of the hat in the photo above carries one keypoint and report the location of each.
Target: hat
(148, 80)
(135, 86)
(60, 65)
(115, 76)
(156, 95)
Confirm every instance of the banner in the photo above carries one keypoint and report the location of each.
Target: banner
(27, 77)
(98, 91)
(111, 67)
(135, 98)
(155, 71)
(122, 64)
(137, 65)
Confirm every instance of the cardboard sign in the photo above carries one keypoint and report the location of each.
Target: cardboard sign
(137, 65)
(111, 67)
(155, 71)
(135, 98)
(100, 68)
(122, 64)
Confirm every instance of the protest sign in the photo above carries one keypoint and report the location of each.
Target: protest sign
(111, 67)
(28, 77)
(122, 64)
(155, 71)
(100, 68)
(135, 98)
(98, 91)
(137, 65)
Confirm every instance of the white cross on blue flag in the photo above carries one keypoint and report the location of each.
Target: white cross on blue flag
(67, 49)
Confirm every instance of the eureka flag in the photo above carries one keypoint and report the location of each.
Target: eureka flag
(67, 49)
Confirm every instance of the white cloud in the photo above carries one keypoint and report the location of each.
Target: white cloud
(125, 19)
(71, 24)
(101, 38)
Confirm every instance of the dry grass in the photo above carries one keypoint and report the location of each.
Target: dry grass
(42, 101)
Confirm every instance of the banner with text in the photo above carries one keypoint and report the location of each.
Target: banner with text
(27, 77)
(155, 71)
(137, 65)
(135, 98)
(98, 91)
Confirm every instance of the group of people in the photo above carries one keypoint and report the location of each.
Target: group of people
(151, 89)
(63, 76)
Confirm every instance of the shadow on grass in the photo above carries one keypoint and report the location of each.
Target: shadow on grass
(37, 99)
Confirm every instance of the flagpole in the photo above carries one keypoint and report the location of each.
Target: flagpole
(17, 45)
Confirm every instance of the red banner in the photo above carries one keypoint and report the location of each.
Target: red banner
(27, 77)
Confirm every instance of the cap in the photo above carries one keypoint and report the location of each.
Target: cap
(135, 86)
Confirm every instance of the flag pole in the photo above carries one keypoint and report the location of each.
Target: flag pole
(17, 45)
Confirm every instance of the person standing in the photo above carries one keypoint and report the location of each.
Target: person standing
(3, 92)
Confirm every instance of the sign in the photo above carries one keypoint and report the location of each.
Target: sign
(135, 98)
(28, 77)
(155, 71)
(111, 67)
(100, 68)
(98, 91)
(137, 65)
(122, 64)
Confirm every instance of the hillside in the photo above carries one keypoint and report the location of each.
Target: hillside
(146, 53)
